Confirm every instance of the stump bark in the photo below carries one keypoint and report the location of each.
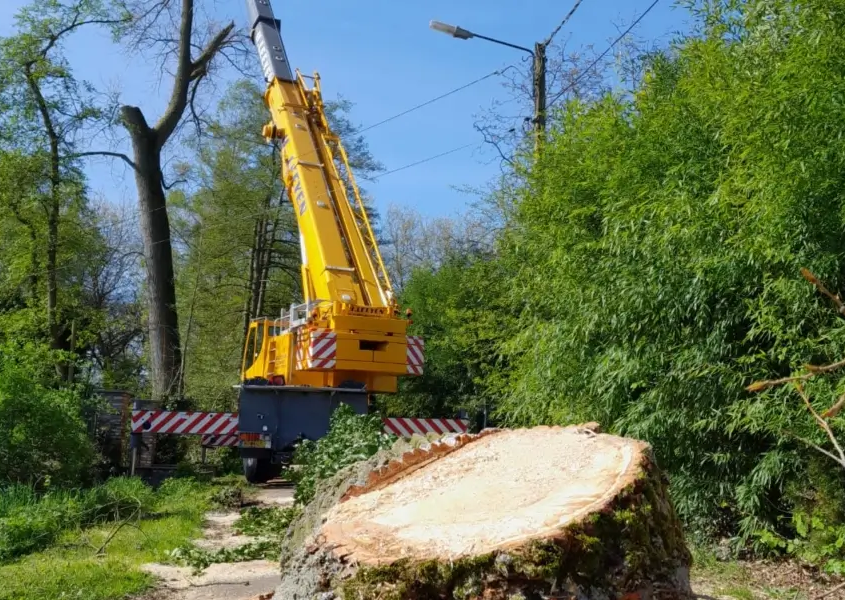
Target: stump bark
(546, 512)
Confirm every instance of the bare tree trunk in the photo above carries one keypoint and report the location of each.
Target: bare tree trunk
(163, 323)
(147, 144)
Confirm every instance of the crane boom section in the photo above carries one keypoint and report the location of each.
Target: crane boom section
(336, 262)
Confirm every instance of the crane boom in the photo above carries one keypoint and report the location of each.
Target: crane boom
(348, 333)
(340, 259)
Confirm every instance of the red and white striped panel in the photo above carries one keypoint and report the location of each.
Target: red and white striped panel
(406, 427)
(183, 423)
(415, 355)
(317, 349)
(215, 441)
(221, 429)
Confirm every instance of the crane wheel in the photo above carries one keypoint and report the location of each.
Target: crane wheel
(260, 470)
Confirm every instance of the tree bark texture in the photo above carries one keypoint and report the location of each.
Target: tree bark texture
(547, 512)
(163, 322)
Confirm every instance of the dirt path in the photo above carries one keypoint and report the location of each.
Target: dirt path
(223, 581)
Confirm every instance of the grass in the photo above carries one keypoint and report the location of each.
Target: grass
(72, 568)
(706, 564)
(722, 579)
(733, 579)
(31, 521)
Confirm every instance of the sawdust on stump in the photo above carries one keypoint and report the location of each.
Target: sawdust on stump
(525, 513)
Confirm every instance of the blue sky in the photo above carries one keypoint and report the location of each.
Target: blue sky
(382, 56)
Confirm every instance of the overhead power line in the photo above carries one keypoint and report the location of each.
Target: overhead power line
(397, 115)
(564, 22)
(378, 124)
(602, 55)
(432, 101)
(425, 160)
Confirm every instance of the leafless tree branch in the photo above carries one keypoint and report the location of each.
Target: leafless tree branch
(187, 71)
(119, 155)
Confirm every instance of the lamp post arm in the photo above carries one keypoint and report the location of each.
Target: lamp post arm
(495, 41)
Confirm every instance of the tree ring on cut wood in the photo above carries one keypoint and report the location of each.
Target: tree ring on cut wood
(493, 493)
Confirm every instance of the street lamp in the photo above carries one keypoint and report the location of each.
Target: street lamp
(538, 70)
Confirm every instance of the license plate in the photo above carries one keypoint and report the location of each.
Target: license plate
(261, 443)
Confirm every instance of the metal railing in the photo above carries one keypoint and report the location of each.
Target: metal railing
(296, 316)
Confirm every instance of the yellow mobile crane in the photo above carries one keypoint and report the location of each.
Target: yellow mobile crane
(348, 339)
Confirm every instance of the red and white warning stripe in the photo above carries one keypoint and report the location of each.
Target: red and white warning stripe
(221, 429)
(415, 355)
(406, 427)
(184, 423)
(317, 349)
(220, 440)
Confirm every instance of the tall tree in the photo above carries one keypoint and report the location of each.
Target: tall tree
(43, 109)
(172, 28)
(412, 241)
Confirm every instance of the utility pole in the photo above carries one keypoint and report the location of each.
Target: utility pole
(538, 73)
(539, 91)
(538, 67)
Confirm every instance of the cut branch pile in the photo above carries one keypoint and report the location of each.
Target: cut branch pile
(547, 512)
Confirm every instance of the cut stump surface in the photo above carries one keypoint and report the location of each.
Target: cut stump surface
(540, 511)
(492, 494)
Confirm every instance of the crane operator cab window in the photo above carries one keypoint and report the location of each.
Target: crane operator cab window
(254, 342)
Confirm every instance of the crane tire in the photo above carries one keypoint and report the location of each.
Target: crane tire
(259, 470)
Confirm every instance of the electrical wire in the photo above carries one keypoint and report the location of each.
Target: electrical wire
(564, 22)
(425, 160)
(432, 101)
(415, 108)
(601, 56)
(397, 115)
(378, 124)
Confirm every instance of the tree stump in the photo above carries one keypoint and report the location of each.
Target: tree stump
(546, 512)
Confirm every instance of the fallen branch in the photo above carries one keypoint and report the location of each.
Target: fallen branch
(101, 550)
(812, 371)
(822, 423)
(832, 590)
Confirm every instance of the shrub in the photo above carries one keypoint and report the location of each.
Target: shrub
(43, 437)
(28, 524)
(351, 438)
(118, 498)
